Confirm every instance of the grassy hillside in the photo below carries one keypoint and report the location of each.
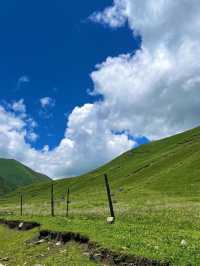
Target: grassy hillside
(169, 167)
(14, 174)
(156, 194)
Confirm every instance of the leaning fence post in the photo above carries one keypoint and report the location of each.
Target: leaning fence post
(67, 213)
(21, 204)
(112, 214)
(52, 201)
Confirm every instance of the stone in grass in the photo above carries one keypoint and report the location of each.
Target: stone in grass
(2, 264)
(183, 243)
(59, 243)
(40, 241)
(110, 220)
(20, 225)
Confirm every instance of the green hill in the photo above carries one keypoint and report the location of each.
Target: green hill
(167, 167)
(14, 174)
(156, 195)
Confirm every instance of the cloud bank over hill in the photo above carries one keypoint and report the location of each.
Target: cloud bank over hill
(153, 92)
(156, 91)
(87, 143)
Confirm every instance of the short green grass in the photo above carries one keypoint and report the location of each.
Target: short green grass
(15, 250)
(156, 194)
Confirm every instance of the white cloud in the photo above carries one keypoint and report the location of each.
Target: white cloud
(84, 135)
(153, 92)
(115, 15)
(32, 136)
(156, 91)
(19, 106)
(47, 102)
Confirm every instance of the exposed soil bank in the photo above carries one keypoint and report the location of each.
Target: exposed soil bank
(19, 225)
(93, 249)
(98, 253)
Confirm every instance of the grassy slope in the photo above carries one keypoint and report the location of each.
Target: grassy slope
(169, 167)
(14, 174)
(156, 192)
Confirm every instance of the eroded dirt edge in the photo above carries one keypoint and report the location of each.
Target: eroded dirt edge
(94, 250)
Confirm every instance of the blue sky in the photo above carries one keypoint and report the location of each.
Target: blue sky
(55, 45)
(81, 83)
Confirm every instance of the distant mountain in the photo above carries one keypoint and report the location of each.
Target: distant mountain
(14, 175)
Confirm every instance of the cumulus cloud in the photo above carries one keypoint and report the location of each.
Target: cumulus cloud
(32, 136)
(12, 134)
(115, 16)
(47, 102)
(154, 92)
(19, 106)
(83, 135)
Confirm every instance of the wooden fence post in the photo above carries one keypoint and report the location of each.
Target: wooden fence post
(112, 214)
(21, 204)
(67, 213)
(52, 200)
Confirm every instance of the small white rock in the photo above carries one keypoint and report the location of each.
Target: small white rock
(110, 220)
(20, 225)
(40, 241)
(58, 243)
(183, 243)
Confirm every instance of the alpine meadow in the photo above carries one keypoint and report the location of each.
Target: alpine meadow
(100, 133)
(155, 190)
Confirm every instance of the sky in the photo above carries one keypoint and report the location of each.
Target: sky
(95, 78)
(55, 46)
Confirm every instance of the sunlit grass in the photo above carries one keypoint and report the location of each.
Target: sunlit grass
(15, 250)
(156, 196)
